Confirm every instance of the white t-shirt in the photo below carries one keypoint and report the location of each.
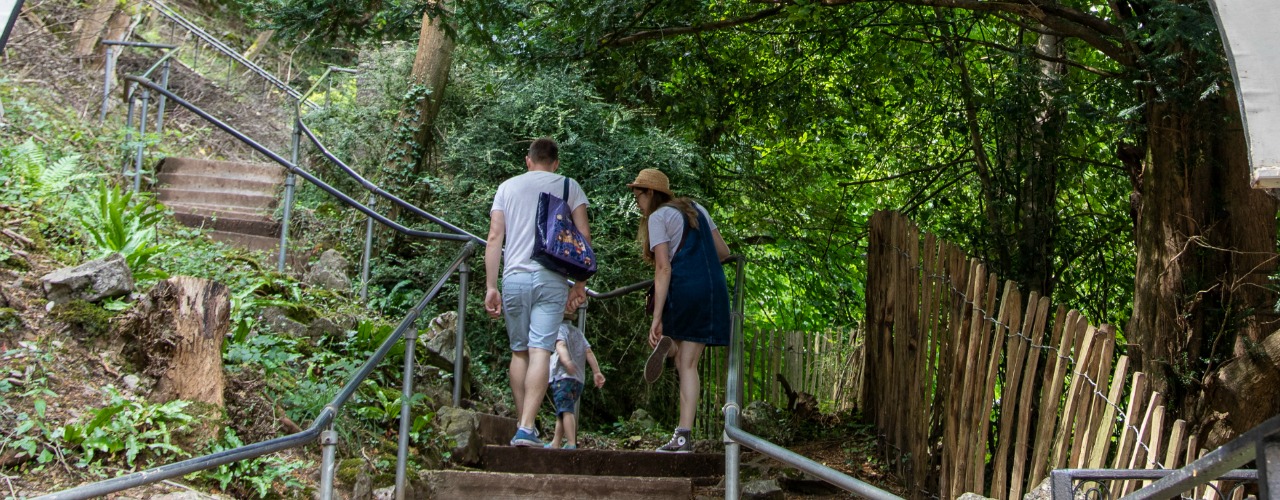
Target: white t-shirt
(517, 199)
(666, 225)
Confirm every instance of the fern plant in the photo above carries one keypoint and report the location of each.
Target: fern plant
(38, 178)
(122, 222)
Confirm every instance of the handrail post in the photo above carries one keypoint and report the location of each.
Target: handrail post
(128, 124)
(733, 396)
(328, 443)
(1268, 462)
(289, 181)
(106, 84)
(459, 340)
(164, 84)
(364, 259)
(402, 455)
(142, 141)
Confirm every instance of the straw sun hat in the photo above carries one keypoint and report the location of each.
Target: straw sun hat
(652, 178)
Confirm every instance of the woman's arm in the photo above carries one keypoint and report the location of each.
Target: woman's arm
(661, 284)
(722, 250)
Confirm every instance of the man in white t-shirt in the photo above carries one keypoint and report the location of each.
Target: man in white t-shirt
(533, 299)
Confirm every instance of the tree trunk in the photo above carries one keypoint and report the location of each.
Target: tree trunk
(118, 28)
(1244, 393)
(1038, 195)
(258, 43)
(1205, 246)
(89, 29)
(430, 74)
(175, 336)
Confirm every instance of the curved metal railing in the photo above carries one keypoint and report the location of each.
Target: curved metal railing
(222, 48)
(735, 436)
(293, 168)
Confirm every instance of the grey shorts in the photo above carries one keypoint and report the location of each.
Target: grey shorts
(533, 305)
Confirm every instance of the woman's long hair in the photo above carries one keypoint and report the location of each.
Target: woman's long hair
(656, 200)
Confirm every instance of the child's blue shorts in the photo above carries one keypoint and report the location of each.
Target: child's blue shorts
(565, 392)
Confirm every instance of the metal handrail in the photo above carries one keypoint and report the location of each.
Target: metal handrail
(1261, 443)
(318, 428)
(375, 189)
(296, 169)
(735, 436)
(204, 36)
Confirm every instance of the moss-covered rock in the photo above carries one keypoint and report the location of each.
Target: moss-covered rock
(88, 317)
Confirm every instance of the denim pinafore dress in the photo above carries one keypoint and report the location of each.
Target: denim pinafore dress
(697, 306)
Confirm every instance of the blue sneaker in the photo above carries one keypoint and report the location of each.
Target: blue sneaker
(569, 447)
(524, 439)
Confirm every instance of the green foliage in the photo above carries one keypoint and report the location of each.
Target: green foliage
(268, 352)
(320, 22)
(261, 476)
(127, 428)
(119, 222)
(30, 433)
(36, 177)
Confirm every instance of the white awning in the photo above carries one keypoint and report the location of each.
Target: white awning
(1251, 32)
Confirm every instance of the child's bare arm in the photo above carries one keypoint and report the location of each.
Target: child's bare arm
(595, 368)
(565, 359)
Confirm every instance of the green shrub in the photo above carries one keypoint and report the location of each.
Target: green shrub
(259, 476)
(127, 428)
(36, 177)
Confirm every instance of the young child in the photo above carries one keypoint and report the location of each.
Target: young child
(567, 378)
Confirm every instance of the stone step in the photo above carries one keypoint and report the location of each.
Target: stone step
(601, 462)
(254, 225)
(264, 172)
(216, 183)
(251, 242)
(239, 200)
(267, 244)
(218, 210)
(448, 484)
(495, 430)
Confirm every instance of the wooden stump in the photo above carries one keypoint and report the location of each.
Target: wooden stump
(175, 335)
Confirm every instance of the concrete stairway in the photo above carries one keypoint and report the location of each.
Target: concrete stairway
(509, 472)
(233, 200)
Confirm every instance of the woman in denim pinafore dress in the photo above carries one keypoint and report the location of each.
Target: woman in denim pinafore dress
(684, 246)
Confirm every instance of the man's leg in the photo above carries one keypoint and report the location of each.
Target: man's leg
(535, 385)
(519, 367)
(546, 312)
(517, 301)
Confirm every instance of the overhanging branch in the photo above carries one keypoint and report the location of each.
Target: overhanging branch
(1094, 31)
(619, 41)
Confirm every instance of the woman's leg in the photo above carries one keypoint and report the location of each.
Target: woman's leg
(687, 367)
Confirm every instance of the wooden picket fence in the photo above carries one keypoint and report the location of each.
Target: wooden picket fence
(976, 390)
(826, 365)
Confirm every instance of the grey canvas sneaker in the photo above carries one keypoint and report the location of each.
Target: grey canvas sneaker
(653, 366)
(681, 442)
